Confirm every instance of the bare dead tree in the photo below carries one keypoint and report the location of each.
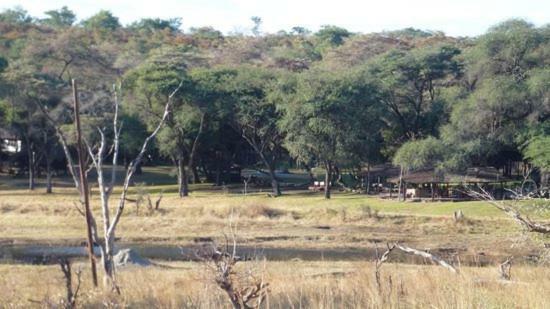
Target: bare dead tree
(458, 216)
(97, 154)
(511, 211)
(150, 206)
(109, 223)
(244, 289)
(505, 269)
(427, 255)
(72, 294)
(390, 248)
(379, 261)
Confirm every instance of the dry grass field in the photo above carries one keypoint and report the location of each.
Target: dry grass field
(292, 284)
(296, 220)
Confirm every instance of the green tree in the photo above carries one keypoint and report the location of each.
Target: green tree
(419, 154)
(411, 83)
(538, 152)
(151, 83)
(154, 24)
(255, 116)
(17, 16)
(326, 117)
(298, 30)
(132, 136)
(332, 35)
(257, 23)
(102, 20)
(505, 94)
(59, 18)
(26, 91)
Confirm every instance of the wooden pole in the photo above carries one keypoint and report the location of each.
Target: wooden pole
(84, 182)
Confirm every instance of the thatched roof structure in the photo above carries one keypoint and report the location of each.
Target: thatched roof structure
(8, 134)
(471, 175)
(381, 170)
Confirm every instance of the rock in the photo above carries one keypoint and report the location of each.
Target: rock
(127, 257)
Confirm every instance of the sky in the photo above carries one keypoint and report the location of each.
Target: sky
(454, 17)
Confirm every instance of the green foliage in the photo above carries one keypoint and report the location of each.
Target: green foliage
(420, 154)
(509, 47)
(410, 33)
(16, 16)
(297, 30)
(102, 20)
(154, 24)
(161, 73)
(332, 35)
(327, 116)
(538, 152)
(410, 84)
(418, 97)
(253, 114)
(209, 90)
(59, 18)
(132, 135)
(257, 23)
(506, 94)
(3, 64)
(206, 33)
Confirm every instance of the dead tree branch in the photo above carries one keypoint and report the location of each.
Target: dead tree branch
(133, 165)
(379, 261)
(385, 256)
(72, 294)
(243, 288)
(505, 269)
(427, 255)
(529, 225)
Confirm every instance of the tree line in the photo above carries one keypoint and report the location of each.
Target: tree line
(332, 98)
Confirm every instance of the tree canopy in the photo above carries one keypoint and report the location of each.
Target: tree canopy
(331, 99)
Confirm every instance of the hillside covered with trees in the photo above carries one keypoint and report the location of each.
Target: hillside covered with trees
(332, 99)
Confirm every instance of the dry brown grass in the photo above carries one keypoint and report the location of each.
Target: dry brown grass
(290, 221)
(294, 284)
(295, 221)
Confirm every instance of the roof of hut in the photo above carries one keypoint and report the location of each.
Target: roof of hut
(472, 175)
(381, 170)
(8, 134)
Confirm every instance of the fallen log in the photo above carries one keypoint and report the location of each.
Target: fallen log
(427, 255)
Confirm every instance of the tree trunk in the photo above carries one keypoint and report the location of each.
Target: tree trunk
(274, 182)
(49, 184)
(206, 172)
(32, 156)
(107, 262)
(328, 178)
(183, 180)
(545, 178)
(368, 179)
(310, 173)
(336, 175)
(218, 175)
(196, 178)
(399, 190)
(191, 164)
